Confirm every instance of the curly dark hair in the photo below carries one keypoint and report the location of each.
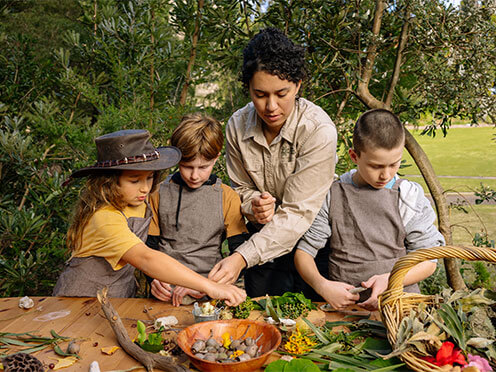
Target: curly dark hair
(271, 51)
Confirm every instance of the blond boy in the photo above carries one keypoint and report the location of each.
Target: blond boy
(194, 211)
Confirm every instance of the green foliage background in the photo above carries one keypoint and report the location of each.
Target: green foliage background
(73, 70)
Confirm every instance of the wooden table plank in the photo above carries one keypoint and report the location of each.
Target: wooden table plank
(83, 318)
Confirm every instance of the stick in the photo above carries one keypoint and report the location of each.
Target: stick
(149, 360)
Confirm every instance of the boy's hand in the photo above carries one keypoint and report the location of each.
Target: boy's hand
(161, 290)
(263, 207)
(180, 292)
(228, 269)
(232, 295)
(337, 294)
(379, 284)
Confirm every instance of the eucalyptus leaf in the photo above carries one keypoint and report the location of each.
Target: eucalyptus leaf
(320, 335)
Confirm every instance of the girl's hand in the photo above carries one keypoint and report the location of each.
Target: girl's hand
(379, 284)
(263, 207)
(179, 293)
(231, 294)
(337, 294)
(161, 290)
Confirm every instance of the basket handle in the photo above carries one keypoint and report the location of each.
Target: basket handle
(405, 263)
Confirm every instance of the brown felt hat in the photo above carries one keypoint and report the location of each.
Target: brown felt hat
(130, 149)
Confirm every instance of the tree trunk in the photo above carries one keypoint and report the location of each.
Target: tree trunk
(451, 265)
(192, 56)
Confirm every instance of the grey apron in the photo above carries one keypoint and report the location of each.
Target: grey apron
(84, 276)
(368, 235)
(192, 224)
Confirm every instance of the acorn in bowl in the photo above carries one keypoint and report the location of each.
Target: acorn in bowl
(229, 345)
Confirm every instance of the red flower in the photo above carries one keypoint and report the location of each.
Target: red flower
(447, 354)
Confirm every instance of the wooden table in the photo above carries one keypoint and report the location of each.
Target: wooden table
(83, 318)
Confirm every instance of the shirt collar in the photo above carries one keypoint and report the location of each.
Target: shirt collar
(253, 128)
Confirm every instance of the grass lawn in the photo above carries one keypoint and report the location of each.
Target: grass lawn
(463, 152)
(465, 225)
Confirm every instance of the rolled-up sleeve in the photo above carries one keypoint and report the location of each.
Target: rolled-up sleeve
(304, 192)
(238, 175)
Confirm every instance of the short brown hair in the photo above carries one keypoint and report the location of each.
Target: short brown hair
(198, 134)
(378, 128)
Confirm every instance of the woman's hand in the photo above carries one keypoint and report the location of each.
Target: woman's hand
(179, 293)
(161, 290)
(337, 294)
(232, 295)
(379, 284)
(228, 269)
(263, 207)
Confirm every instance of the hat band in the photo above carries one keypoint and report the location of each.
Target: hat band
(129, 160)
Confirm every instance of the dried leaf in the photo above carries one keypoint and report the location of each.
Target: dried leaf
(109, 350)
(479, 342)
(64, 362)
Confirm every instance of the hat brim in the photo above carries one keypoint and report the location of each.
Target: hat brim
(169, 156)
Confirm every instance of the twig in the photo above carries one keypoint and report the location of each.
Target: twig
(149, 360)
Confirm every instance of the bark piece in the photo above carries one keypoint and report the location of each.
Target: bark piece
(149, 360)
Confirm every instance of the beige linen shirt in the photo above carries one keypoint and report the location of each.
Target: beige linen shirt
(297, 168)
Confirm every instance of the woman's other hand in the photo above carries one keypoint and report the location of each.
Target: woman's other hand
(228, 269)
(263, 207)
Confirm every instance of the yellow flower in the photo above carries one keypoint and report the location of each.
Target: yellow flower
(298, 343)
(226, 337)
(236, 354)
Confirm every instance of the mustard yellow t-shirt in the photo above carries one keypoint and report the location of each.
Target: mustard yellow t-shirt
(107, 234)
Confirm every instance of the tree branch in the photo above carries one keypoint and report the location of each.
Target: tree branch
(149, 360)
(455, 279)
(366, 72)
(192, 56)
(399, 56)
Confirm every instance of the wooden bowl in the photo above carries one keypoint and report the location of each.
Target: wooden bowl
(270, 340)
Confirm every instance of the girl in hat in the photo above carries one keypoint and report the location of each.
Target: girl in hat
(111, 222)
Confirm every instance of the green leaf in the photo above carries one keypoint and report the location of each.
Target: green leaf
(276, 366)
(61, 352)
(320, 335)
(55, 335)
(376, 346)
(301, 365)
(142, 331)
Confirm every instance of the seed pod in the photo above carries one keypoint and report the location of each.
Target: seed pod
(72, 348)
(242, 347)
(251, 350)
(210, 357)
(235, 344)
(198, 346)
(211, 342)
(222, 356)
(249, 341)
(244, 357)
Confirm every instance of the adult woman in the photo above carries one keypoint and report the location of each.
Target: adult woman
(280, 159)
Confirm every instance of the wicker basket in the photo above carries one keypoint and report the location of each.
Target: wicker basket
(394, 304)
